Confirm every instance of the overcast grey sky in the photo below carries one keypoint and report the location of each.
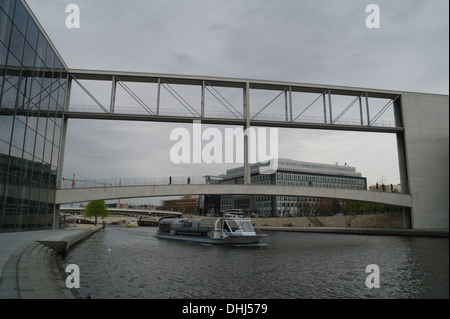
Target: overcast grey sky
(323, 42)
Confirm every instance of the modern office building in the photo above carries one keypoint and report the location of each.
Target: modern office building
(290, 173)
(33, 84)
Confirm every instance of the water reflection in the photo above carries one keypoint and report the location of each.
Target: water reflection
(132, 263)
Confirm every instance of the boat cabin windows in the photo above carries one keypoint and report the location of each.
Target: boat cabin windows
(164, 225)
(247, 226)
(238, 226)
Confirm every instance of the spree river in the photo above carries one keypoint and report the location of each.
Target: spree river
(132, 263)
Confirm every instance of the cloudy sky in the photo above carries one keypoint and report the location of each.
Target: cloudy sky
(306, 41)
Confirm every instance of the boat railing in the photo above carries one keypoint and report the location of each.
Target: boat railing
(258, 231)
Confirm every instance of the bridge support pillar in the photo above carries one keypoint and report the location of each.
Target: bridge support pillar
(247, 178)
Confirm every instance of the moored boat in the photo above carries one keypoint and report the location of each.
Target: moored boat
(214, 231)
(127, 223)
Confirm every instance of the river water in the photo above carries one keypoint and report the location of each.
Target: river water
(130, 263)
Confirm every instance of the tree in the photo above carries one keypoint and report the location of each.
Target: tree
(96, 209)
(323, 207)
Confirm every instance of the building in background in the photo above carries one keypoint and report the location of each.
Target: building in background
(185, 205)
(290, 173)
(33, 85)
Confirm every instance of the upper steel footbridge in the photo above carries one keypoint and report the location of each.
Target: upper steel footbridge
(135, 96)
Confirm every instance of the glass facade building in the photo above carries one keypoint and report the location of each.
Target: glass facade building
(290, 173)
(33, 84)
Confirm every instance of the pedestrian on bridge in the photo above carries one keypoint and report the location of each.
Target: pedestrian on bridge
(170, 180)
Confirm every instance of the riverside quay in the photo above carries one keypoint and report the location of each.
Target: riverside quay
(35, 94)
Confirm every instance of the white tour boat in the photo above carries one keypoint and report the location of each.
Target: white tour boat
(214, 231)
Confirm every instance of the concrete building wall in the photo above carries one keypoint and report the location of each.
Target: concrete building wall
(426, 137)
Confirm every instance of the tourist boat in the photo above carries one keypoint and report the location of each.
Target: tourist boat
(127, 223)
(212, 231)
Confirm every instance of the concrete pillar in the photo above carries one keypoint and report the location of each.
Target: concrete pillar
(247, 178)
(401, 149)
(62, 147)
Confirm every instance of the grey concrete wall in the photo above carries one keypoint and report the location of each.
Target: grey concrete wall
(426, 137)
(388, 220)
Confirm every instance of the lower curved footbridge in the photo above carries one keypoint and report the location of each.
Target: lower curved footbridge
(78, 195)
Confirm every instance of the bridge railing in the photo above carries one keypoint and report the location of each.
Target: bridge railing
(224, 115)
(170, 180)
(133, 181)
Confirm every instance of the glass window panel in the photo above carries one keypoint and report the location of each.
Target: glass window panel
(32, 33)
(17, 42)
(44, 103)
(6, 122)
(12, 65)
(52, 106)
(2, 75)
(28, 81)
(50, 129)
(47, 80)
(31, 212)
(57, 135)
(50, 57)
(41, 46)
(36, 177)
(42, 125)
(5, 28)
(55, 156)
(20, 17)
(28, 56)
(53, 173)
(9, 95)
(55, 88)
(27, 166)
(45, 180)
(8, 6)
(18, 134)
(39, 149)
(48, 152)
(15, 152)
(22, 209)
(32, 122)
(36, 92)
(22, 87)
(38, 63)
(58, 121)
(10, 207)
(30, 138)
(28, 157)
(61, 95)
(4, 150)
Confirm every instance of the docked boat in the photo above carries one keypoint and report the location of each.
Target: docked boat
(213, 231)
(127, 223)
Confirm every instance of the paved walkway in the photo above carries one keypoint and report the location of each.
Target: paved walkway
(28, 266)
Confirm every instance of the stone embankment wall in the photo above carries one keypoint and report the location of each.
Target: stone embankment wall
(391, 220)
